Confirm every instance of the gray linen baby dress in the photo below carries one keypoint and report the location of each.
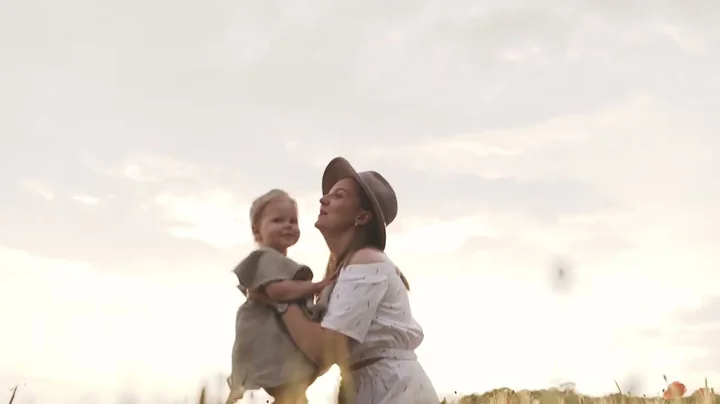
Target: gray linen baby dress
(264, 354)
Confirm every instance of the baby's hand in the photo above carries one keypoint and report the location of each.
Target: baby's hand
(258, 295)
(319, 286)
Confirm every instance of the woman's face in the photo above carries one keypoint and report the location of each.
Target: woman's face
(340, 208)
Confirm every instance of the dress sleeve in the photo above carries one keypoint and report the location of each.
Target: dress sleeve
(354, 303)
(265, 265)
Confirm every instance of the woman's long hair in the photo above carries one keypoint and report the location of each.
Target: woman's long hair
(366, 236)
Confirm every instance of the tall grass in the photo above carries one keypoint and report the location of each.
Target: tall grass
(555, 396)
(12, 397)
(549, 396)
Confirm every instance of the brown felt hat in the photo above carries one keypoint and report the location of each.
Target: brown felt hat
(382, 197)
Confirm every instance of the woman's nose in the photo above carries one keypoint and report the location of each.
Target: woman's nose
(323, 201)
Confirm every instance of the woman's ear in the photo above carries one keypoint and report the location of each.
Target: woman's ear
(363, 218)
(256, 234)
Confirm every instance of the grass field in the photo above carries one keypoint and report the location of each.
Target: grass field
(550, 396)
(556, 396)
(506, 396)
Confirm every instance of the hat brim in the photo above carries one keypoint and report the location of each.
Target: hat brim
(338, 169)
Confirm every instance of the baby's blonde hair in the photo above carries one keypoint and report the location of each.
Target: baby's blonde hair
(261, 202)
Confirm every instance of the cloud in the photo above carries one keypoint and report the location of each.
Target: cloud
(134, 136)
(158, 168)
(203, 106)
(449, 195)
(118, 234)
(216, 218)
(707, 314)
(694, 331)
(50, 303)
(239, 71)
(86, 199)
(41, 189)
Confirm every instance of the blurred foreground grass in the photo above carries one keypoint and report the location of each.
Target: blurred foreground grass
(555, 396)
(550, 396)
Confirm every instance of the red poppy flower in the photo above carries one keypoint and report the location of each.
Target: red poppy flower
(674, 389)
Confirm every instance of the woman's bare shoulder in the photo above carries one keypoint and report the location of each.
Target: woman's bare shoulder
(368, 256)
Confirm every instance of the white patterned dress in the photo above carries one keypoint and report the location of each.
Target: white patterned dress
(370, 305)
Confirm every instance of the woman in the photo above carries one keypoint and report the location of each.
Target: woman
(368, 329)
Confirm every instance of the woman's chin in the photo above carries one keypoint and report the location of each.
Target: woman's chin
(322, 225)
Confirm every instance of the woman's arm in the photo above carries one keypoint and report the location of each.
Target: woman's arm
(324, 347)
(349, 315)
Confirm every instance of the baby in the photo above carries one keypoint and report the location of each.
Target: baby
(264, 355)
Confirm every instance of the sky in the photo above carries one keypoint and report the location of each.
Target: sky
(517, 134)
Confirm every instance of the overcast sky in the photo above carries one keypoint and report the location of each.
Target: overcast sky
(134, 135)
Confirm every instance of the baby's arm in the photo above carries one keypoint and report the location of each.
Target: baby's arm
(289, 290)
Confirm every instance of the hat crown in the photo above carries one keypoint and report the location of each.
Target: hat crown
(381, 190)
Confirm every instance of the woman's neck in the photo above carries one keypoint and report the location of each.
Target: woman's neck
(338, 242)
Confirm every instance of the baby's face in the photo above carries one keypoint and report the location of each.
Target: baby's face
(278, 227)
